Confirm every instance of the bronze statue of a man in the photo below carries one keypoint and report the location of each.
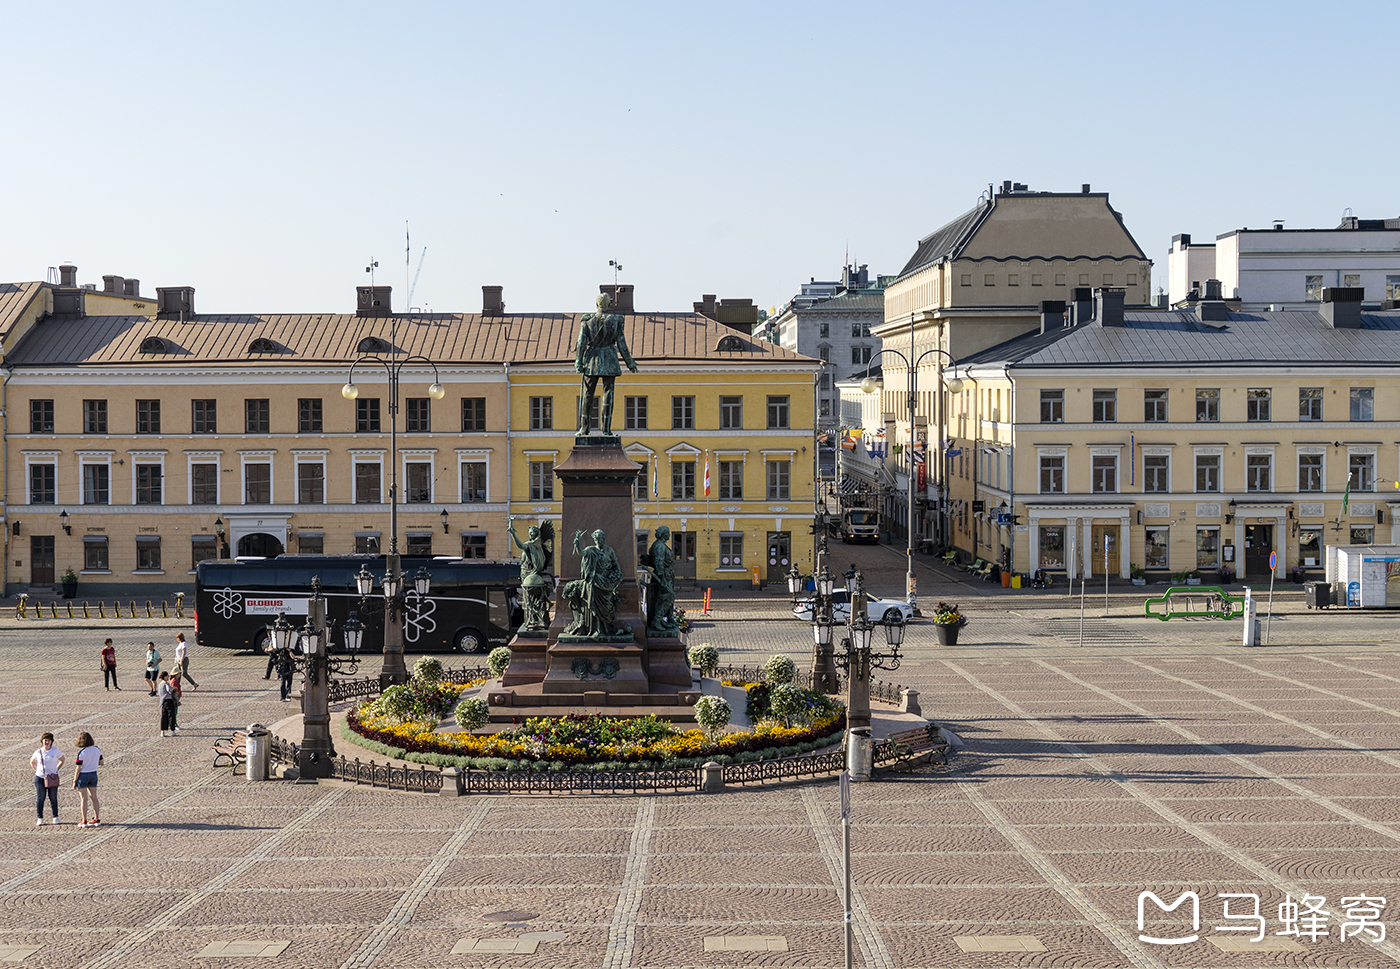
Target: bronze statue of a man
(661, 586)
(600, 341)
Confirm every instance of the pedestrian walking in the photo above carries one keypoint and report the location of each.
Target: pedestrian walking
(165, 695)
(46, 762)
(85, 781)
(271, 659)
(109, 665)
(177, 693)
(182, 658)
(286, 666)
(152, 666)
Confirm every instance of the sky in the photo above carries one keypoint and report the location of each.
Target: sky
(266, 153)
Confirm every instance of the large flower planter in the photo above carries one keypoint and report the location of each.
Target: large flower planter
(947, 633)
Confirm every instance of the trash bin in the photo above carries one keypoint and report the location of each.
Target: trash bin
(259, 765)
(1319, 595)
(860, 753)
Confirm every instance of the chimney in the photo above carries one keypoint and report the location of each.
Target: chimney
(68, 275)
(1084, 189)
(1341, 306)
(1109, 307)
(1052, 315)
(1212, 290)
(114, 285)
(1082, 305)
(621, 294)
(373, 301)
(491, 303)
(1006, 187)
(132, 287)
(174, 302)
(738, 314)
(1212, 308)
(706, 306)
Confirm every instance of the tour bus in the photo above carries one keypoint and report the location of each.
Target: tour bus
(471, 606)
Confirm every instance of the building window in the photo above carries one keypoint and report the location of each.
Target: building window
(95, 484)
(541, 413)
(1084, 279)
(94, 417)
(204, 417)
(1363, 534)
(1310, 545)
(309, 544)
(860, 355)
(367, 477)
(1312, 289)
(731, 480)
(1208, 547)
(1258, 472)
(148, 484)
(542, 480)
(204, 484)
(1158, 545)
(206, 547)
(731, 413)
(311, 483)
(824, 330)
(309, 417)
(779, 483)
(1351, 280)
(473, 413)
(1108, 279)
(474, 545)
(1361, 472)
(1258, 404)
(731, 550)
(682, 480)
(1132, 279)
(1105, 474)
(1037, 279)
(1309, 472)
(1105, 406)
(825, 405)
(367, 543)
(1207, 405)
(1052, 475)
(1052, 407)
(1013, 279)
(640, 485)
(1363, 404)
(777, 412)
(1154, 406)
(682, 413)
(95, 554)
(367, 414)
(634, 411)
(824, 353)
(148, 553)
(1309, 403)
(257, 484)
(417, 415)
(1052, 547)
(1156, 473)
(421, 545)
(42, 489)
(593, 411)
(41, 417)
(473, 481)
(148, 417)
(1059, 279)
(1208, 472)
(1392, 287)
(418, 481)
(256, 418)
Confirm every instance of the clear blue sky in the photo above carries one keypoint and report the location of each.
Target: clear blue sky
(263, 153)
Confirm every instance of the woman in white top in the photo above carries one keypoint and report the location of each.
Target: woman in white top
(182, 659)
(46, 762)
(89, 759)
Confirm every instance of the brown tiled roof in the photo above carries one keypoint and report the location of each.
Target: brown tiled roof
(443, 338)
(14, 297)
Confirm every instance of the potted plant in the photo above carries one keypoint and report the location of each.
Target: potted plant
(1224, 574)
(1296, 574)
(1139, 574)
(1193, 577)
(69, 581)
(947, 620)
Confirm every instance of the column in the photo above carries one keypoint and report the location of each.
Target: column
(1281, 545)
(1124, 550)
(1033, 546)
(1086, 546)
(1239, 548)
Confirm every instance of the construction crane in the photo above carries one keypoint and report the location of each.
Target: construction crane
(414, 285)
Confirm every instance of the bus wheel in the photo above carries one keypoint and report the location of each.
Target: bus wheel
(261, 641)
(470, 641)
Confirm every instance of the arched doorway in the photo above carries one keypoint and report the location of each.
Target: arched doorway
(259, 543)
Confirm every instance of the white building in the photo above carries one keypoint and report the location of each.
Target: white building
(1284, 268)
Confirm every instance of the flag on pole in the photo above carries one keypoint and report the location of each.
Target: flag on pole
(1346, 496)
(707, 474)
(655, 479)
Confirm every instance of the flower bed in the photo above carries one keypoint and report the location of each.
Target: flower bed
(593, 743)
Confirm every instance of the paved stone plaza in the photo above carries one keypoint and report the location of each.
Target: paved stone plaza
(1156, 756)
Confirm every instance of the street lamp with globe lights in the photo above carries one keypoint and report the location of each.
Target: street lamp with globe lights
(395, 601)
(857, 658)
(394, 670)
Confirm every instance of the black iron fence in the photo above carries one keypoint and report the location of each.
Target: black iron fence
(368, 686)
(786, 768)
(423, 779)
(673, 780)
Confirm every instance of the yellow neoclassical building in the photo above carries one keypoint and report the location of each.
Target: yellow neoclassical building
(142, 436)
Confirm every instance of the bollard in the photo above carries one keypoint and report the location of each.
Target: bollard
(179, 605)
(85, 609)
(101, 612)
(860, 753)
(133, 608)
(711, 778)
(454, 784)
(70, 609)
(258, 766)
(909, 702)
(164, 609)
(149, 613)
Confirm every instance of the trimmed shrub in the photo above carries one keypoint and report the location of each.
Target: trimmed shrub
(779, 669)
(704, 656)
(787, 702)
(497, 660)
(427, 670)
(712, 713)
(473, 713)
(397, 702)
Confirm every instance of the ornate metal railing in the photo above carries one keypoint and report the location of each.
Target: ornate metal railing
(582, 782)
(423, 779)
(283, 751)
(785, 769)
(368, 686)
(879, 689)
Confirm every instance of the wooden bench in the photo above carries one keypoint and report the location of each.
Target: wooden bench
(232, 752)
(920, 744)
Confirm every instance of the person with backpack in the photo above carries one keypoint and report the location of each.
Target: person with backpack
(152, 666)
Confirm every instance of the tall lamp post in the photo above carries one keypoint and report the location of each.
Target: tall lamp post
(394, 670)
(394, 606)
(954, 384)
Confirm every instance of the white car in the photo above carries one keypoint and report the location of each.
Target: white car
(879, 610)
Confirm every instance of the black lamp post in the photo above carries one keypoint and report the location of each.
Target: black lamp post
(857, 658)
(823, 666)
(393, 607)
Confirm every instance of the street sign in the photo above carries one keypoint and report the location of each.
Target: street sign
(845, 795)
(1273, 560)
